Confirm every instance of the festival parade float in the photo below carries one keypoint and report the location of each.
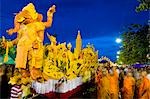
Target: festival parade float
(47, 68)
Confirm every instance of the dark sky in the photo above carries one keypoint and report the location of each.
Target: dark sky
(100, 21)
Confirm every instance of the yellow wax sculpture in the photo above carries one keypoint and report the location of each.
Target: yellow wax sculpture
(52, 61)
(30, 29)
(78, 44)
(61, 62)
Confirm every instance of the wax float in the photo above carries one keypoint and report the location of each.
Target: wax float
(43, 64)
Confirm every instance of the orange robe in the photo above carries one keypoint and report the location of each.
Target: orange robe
(98, 77)
(114, 90)
(128, 87)
(144, 89)
(105, 86)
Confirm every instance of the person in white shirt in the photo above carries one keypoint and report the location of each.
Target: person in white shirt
(16, 90)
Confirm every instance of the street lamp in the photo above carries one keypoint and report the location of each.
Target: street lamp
(118, 52)
(118, 40)
(117, 57)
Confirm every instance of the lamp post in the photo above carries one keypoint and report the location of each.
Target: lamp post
(118, 40)
(118, 52)
(117, 56)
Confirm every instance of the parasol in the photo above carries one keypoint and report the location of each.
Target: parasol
(138, 65)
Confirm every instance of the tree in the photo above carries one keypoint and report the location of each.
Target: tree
(143, 6)
(135, 45)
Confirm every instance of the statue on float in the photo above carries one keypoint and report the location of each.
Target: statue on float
(30, 28)
(60, 60)
(30, 35)
(32, 63)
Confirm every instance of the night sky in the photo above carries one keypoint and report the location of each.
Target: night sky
(100, 21)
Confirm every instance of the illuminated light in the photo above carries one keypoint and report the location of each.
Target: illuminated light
(118, 52)
(117, 57)
(118, 40)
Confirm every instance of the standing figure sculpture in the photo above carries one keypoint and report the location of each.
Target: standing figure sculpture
(30, 35)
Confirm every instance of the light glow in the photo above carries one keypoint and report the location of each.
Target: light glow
(118, 40)
(117, 57)
(118, 52)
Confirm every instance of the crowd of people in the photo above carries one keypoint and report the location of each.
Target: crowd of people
(123, 83)
(113, 83)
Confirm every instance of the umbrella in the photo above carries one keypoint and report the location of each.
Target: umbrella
(138, 65)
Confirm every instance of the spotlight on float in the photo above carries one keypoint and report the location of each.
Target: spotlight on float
(118, 40)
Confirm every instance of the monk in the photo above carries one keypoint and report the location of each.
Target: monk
(105, 86)
(128, 86)
(114, 90)
(98, 76)
(144, 89)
